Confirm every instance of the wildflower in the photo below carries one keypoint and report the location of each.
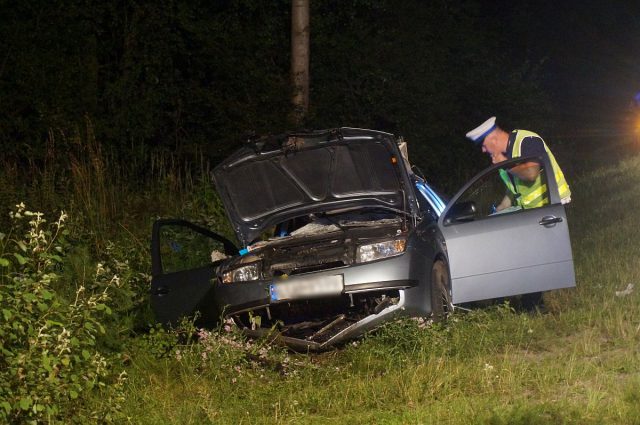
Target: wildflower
(203, 334)
(488, 367)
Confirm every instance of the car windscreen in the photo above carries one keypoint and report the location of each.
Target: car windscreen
(429, 198)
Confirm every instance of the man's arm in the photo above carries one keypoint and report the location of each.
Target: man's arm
(528, 171)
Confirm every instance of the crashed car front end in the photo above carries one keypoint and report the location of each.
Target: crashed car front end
(323, 283)
(341, 209)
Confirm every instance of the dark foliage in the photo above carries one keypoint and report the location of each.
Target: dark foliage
(201, 75)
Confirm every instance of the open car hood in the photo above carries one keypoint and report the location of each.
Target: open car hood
(277, 178)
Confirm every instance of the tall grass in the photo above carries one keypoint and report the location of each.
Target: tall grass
(577, 362)
(107, 188)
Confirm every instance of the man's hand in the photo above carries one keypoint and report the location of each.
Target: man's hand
(505, 203)
(498, 157)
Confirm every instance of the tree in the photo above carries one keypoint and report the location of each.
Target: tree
(300, 60)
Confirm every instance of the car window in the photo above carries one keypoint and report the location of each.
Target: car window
(182, 248)
(430, 203)
(505, 190)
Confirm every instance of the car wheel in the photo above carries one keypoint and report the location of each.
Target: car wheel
(441, 305)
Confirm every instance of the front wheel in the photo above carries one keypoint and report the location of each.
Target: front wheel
(441, 305)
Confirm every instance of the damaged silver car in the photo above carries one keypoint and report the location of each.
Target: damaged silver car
(338, 235)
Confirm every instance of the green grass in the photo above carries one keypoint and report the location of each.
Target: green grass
(577, 363)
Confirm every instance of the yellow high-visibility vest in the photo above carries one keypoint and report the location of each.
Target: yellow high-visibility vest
(533, 194)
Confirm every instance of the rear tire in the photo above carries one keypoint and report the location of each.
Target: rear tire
(441, 305)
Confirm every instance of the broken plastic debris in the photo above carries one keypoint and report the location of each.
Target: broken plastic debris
(217, 256)
(627, 291)
(253, 247)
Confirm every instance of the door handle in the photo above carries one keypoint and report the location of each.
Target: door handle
(549, 220)
(161, 291)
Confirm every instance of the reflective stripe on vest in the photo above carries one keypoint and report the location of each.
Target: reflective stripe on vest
(533, 195)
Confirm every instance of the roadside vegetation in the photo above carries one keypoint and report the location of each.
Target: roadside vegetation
(115, 115)
(79, 344)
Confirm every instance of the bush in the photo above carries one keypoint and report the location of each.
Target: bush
(50, 367)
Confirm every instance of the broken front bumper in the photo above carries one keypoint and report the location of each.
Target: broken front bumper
(338, 313)
(390, 273)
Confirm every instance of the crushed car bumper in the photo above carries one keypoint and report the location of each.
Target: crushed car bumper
(367, 295)
(391, 273)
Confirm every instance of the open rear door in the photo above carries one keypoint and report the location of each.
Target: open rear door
(184, 257)
(510, 252)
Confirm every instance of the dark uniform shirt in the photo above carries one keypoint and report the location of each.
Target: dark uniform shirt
(531, 146)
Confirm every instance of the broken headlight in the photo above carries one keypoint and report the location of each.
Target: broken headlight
(379, 250)
(242, 274)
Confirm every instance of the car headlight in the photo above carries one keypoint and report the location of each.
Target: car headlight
(378, 250)
(242, 274)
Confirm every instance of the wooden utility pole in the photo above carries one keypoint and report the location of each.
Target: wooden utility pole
(300, 60)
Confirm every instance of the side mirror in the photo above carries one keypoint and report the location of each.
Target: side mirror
(461, 212)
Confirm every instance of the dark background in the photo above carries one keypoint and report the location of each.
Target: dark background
(148, 76)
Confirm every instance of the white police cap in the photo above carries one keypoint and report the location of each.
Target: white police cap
(478, 134)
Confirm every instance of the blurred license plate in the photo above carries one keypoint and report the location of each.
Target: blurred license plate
(309, 287)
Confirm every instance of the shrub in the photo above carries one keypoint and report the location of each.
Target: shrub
(50, 367)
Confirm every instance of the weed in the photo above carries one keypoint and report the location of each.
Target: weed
(50, 362)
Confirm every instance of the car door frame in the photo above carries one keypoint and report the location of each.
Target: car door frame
(182, 293)
(523, 275)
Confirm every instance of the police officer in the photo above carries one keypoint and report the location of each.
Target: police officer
(525, 187)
